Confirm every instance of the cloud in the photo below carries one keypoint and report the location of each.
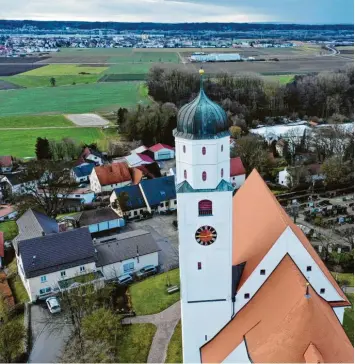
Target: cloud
(170, 11)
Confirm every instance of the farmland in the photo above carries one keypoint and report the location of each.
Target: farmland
(21, 143)
(34, 121)
(71, 99)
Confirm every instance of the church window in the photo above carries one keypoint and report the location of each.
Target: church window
(185, 174)
(262, 272)
(222, 148)
(222, 172)
(246, 295)
(199, 266)
(204, 176)
(309, 268)
(322, 290)
(205, 208)
(203, 150)
(184, 148)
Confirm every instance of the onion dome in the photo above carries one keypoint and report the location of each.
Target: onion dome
(201, 118)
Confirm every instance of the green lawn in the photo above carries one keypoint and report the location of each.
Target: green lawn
(28, 121)
(135, 343)
(44, 81)
(9, 227)
(349, 319)
(21, 143)
(349, 277)
(53, 70)
(174, 354)
(150, 296)
(15, 283)
(70, 99)
(129, 68)
(281, 79)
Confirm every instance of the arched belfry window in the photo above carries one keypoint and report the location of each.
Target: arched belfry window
(203, 150)
(205, 208)
(204, 176)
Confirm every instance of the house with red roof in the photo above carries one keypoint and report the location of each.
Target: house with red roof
(5, 163)
(110, 176)
(162, 151)
(237, 172)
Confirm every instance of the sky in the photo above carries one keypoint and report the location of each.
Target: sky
(177, 11)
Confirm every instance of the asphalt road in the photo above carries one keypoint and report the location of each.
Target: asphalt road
(49, 335)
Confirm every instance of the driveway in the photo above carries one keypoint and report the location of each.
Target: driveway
(49, 335)
(164, 233)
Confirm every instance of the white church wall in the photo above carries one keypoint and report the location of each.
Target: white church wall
(339, 311)
(238, 355)
(287, 243)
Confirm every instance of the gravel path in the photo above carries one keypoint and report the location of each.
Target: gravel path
(87, 119)
(165, 322)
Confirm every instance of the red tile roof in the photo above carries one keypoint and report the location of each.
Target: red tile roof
(160, 146)
(258, 221)
(86, 152)
(2, 244)
(279, 324)
(113, 173)
(5, 161)
(145, 158)
(236, 167)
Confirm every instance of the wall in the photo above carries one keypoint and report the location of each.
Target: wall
(106, 225)
(94, 182)
(194, 162)
(115, 270)
(237, 181)
(109, 188)
(164, 154)
(287, 243)
(135, 212)
(94, 158)
(339, 311)
(87, 197)
(283, 178)
(33, 285)
(167, 205)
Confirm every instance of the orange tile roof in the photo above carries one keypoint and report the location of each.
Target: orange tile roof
(236, 167)
(137, 175)
(279, 323)
(258, 221)
(113, 173)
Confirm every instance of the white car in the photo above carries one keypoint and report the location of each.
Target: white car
(53, 305)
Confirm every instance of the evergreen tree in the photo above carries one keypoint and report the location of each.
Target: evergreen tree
(42, 149)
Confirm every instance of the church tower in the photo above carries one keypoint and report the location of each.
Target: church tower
(204, 196)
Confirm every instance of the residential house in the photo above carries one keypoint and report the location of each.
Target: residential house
(138, 159)
(79, 196)
(82, 172)
(5, 163)
(92, 156)
(237, 172)
(140, 149)
(53, 262)
(33, 224)
(315, 173)
(159, 193)
(99, 220)
(7, 212)
(15, 183)
(284, 178)
(135, 205)
(126, 253)
(2, 249)
(108, 177)
(161, 152)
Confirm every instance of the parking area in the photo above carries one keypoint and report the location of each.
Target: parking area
(49, 335)
(165, 234)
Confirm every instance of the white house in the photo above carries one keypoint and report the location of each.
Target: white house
(244, 264)
(162, 151)
(126, 253)
(7, 212)
(284, 177)
(47, 263)
(108, 177)
(5, 163)
(82, 172)
(138, 159)
(14, 184)
(237, 172)
(92, 156)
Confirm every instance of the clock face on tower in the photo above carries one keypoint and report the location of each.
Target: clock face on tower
(206, 235)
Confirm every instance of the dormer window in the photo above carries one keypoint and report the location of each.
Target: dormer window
(204, 176)
(203, 150)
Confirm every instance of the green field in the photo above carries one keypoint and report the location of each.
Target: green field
(349, 319)
(281, 79)
(9, 228)
(44, 81)
(63, 69)
(71, 99)
(21, 143)
(35, 121)
(129, 68)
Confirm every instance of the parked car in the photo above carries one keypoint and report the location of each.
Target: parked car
(125, 279)
(53, 305)
(146, 271)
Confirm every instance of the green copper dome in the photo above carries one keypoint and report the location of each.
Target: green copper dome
(201, 119)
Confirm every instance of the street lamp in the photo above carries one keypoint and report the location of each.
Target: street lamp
(295, 206)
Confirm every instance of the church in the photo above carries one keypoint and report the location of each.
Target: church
(253, 289)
